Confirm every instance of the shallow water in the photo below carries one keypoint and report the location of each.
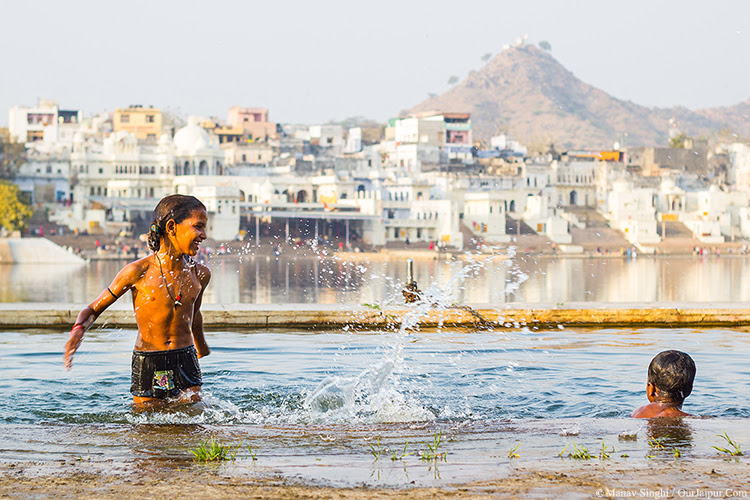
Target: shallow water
(312, 402)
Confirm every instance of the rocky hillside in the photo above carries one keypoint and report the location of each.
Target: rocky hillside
(524, 91)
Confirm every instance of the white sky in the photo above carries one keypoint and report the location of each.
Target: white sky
(316, 60)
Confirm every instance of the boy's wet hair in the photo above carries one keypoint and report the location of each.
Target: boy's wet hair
(672, 373)
(176, 207)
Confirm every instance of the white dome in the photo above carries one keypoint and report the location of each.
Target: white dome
(191, 138)
(667, 184)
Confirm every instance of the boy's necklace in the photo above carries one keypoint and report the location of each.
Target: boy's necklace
(176, 299)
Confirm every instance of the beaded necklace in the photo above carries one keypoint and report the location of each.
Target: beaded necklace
(176, 299)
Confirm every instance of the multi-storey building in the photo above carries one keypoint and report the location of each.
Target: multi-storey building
(45, 121)
(254, 123)
(143, 123)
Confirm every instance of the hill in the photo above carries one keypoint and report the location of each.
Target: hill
(524, 91)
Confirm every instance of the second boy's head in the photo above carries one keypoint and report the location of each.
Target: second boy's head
(670, 377)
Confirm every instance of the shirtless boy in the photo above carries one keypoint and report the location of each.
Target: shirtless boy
(670, 381)
(167, 289)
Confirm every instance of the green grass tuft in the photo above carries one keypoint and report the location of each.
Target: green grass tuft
(213, 451)
(736, 451)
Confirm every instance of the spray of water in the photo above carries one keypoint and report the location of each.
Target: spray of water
(377, 393)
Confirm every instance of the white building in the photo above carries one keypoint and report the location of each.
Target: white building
(546, 221)
(632, 212)
(574, 183)
(484, 215)
(43, 122)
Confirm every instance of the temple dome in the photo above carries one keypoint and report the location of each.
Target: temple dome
(191, 137)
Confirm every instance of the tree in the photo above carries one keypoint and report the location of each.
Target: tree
(486, 57)
(12, 211)
(453, 80)
(678, 141)
(544, 45)
(12, 156)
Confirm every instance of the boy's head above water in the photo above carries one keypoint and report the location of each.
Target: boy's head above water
(173, 210)
(672, 373)
(670, 381)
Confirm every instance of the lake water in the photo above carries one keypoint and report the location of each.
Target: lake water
(314, 405)
(334, 407)
(274, 280)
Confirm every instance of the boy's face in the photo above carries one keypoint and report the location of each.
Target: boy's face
(189, 233)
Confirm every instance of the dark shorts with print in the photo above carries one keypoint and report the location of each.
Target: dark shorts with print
(164, 374)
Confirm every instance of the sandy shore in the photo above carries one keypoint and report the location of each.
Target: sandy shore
(716, 479)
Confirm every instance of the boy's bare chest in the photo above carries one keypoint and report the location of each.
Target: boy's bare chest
(171, 288)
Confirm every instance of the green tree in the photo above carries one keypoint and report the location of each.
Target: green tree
(544, 45)
(678, 141)
(13, 212)
(486, 57)
(453, 80)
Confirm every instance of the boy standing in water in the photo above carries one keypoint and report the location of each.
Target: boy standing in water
(167, 289)
(670, 381)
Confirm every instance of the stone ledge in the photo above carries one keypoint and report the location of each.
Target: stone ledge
(326, 317)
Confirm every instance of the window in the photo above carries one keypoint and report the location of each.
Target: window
(125, 119)
(150, 119)
(49, 169)
(151, 137)
(101, 170)
(244, 158)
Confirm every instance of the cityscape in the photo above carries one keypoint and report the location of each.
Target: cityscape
(422, 179)
(317, 250)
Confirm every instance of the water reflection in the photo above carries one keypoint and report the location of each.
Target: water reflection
(669, 433)
(282, 279)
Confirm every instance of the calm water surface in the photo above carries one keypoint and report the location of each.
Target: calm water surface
(273, 280)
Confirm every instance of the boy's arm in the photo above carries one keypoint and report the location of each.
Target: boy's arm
(122, 282)
(198, 337)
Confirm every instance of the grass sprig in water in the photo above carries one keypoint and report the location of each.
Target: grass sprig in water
(736, 451)
(512, 453)
(431, 453)
(213, 451)
(377, 450)
(606, 450)
(580, 453)
(395, 456)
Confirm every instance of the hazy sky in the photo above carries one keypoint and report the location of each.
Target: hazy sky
(317, 60)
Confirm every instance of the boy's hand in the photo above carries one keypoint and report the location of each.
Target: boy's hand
(71, 346)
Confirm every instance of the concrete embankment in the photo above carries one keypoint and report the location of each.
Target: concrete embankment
(328, 317)
(35, 251)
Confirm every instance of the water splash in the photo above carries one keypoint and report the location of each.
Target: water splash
(376, 394)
